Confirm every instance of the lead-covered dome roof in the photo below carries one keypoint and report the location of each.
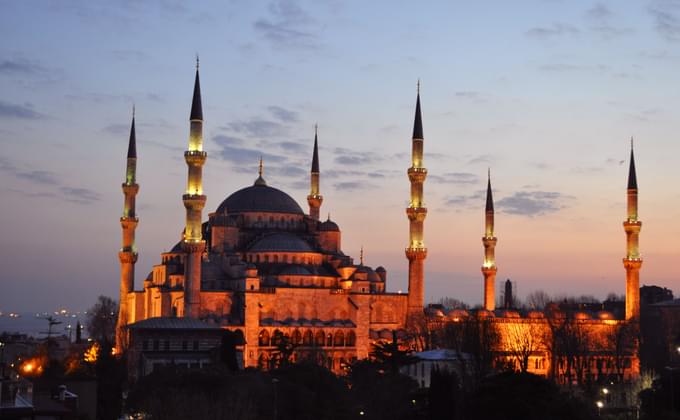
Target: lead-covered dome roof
(281, 242)
(259, 198)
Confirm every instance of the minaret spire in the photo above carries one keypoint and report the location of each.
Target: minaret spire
(416, 212)
(194, 201)
(489, 241)
(128, 222)
(314, 199)
(632, 261)
(260, 172)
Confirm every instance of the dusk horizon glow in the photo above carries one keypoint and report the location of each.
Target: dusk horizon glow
(549, 105)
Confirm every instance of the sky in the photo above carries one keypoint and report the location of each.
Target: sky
(546, 93)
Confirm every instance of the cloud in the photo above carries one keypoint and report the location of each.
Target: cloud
(289, 26)
(567, 67)
(20, 66)
(455, 178)
(468, 94)
(474, 200)
(485, 158)
(532, 203)
(283, 114)
(599, 12)
(666, 21)
(38, 177)
(352, 186)
(117, 129)
(258, 128)
(354, 158)
(230, 150)
(556, 30)
(24, 112)
(80, 195)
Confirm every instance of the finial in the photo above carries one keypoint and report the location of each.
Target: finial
(489, 173)
(418, 86)
(133, 110)
(260, 170)
(316, 129)
(361, 256)
(631, 142)
(197, 61)
(329, 216)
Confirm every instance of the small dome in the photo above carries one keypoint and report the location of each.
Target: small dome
(259, 198)
(434, 312)
(281, 242)
(329, 226)
(605, 315)
(483, 313)
(380, 269)
(457, 313)
(535, 314)
(581, 315)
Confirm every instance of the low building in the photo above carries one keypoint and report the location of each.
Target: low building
(443, 360)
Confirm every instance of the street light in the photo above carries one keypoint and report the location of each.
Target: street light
(599, 405)
(605, 391)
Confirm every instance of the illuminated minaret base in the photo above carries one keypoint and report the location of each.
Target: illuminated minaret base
(194, 201)
(633, 261)
(416, 212)
(314, 199)
(128, 222)
(489, 241)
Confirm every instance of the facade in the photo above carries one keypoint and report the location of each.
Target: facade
(262, 266)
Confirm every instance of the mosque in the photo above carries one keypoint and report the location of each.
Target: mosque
(265, 269)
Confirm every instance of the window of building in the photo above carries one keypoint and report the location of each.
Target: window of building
(195, 344)
(166, 345)
(145, 345)
(185, 345)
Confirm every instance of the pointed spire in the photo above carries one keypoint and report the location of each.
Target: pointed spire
(315, 156)
(196, 106)
(632, 177)
(418, 122)
(260, 180)
(132, 146)
(489, 194)
(361, 256)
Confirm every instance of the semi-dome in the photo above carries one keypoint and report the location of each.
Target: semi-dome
(329, 226)
(259, 198)
(280, 242)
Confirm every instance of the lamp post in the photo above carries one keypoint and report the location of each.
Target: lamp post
(599, 405)
(2, 360)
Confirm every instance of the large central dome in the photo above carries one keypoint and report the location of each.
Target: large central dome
(259, 198)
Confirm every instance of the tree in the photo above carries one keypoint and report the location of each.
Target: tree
(538, 300)
(79, 332)
(621, 341)
(101, 321)
(523, 340)
(389, 355)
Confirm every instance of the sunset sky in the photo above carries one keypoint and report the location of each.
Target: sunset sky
(546, 93)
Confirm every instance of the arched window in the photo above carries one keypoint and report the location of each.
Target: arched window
(297, 337)
(276, 258)
(266, 258)
(329, 340)
(263, 338)
(319, 339)
(307, 338)
(351, 339)
(277, 337)
(339, 339)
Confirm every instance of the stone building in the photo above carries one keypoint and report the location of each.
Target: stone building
(265, 269)
(262, 266)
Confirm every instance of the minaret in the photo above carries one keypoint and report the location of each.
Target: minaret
(194, 201)
(315, 198)
(489, 241)
(416, 212)
(633, 261)
(128, 222)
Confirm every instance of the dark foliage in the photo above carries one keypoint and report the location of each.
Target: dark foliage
(662, 400)
(523, 396)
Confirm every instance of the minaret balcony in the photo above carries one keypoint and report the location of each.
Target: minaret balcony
(416, 213)
(413, 253)
(195, 157)
(417, 175)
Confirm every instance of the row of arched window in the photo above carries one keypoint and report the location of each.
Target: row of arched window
(308, 338)
(275, 258)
